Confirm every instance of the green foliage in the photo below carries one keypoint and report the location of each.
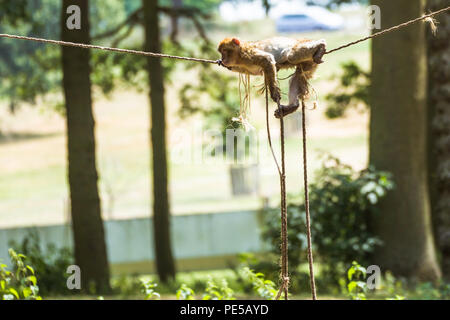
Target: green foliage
(21, 282)
(356, 287)
(50, 263)
(342, 201)
(204, 5)
(212, 291)
(214, 97)
(126, 285)
(148, 288)
(185, 293)
(353, 89)
(430, 291)
(27, 69)
(14, 12)
(218, 289)
(263, 288)
(218, 292)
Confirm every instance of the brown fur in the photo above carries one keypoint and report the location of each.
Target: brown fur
(266, 57)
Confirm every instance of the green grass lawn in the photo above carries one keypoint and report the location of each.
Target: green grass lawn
(33, 184)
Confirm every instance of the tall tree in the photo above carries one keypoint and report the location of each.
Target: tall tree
(176, 4)
(87, 224)
(439, 125)
(165, 264)
(398, 142)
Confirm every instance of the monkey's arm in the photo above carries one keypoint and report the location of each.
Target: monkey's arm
(266, 62)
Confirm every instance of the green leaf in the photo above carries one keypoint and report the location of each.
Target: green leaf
(350, 273)
(31, 269)
(32, 279)
(351, 286)
(26, 292)
(14, 292)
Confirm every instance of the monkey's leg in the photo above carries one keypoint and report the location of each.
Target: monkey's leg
(294, 92)
(307, 51)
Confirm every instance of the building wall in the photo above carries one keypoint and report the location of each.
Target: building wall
(201, 241)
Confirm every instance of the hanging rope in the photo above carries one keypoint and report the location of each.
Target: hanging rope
(282, 173)
(308, 220)
(284, 235)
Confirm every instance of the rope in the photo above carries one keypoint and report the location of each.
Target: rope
(218, 62)
(394, 28)
(284, 235)
(268, 133)
(282, 172)
(308, 222)
(91, 46)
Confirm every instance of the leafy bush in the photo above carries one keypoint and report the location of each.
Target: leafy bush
(21, 282)
(357, 285)
(212, 291)
(357, 288)
(430, 291)
(148, 288)
(341, 204)
(50, 264)
(263, 288)
(352, 91)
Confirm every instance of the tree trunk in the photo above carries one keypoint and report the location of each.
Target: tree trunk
(165, 264)
(88, 233)
(174, 20)
(439, 129)
(398, 142)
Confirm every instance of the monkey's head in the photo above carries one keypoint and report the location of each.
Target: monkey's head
(230, 48)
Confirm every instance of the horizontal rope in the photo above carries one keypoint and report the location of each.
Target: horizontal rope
(91, 46)
(394, 28)
(218, 62)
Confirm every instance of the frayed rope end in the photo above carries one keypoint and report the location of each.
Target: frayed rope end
(433, 24)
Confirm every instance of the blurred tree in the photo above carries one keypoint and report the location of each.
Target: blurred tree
(87, 224)
(27, 69)
(129, 69)
(398, 143)
(176, 4)
(439, 127)
(165, 264)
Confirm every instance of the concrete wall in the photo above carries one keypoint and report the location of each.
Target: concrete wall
(200, 241)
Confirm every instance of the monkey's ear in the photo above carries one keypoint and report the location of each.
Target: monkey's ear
(236, 41)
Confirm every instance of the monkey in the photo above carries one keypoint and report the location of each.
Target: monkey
(267, 57)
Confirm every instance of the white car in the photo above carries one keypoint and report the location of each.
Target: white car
(302, 22)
